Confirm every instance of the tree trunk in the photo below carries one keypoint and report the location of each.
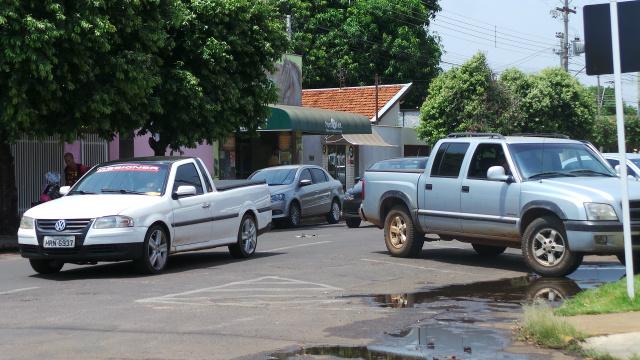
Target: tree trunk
(9, 220)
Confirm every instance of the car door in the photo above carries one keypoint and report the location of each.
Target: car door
(307, 194)
(441, 190)
(191, 214)
(323, 191)
(489, 207)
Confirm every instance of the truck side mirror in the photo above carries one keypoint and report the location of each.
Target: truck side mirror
(496, 173)
(64, 190)
(183, 190)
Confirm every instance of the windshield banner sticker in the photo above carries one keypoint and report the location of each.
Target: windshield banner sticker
(131, 167)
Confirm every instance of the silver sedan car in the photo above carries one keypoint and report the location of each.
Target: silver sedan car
(299, 191)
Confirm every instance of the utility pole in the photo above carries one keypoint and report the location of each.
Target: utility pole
(565, 39)
(598, 102)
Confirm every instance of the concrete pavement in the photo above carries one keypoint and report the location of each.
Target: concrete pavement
(616, 334)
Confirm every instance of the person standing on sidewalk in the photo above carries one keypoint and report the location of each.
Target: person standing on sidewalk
(72, 172)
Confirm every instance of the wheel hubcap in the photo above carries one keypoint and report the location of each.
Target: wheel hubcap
(295, 215)
(398, 232)
(249, 236)
(548, 247)
(336, 211)
(157, 250)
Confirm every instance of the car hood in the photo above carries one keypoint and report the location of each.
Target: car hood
(586, 189)
(279, 189)
(90, 206)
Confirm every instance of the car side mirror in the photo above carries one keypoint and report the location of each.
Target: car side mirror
(496, 173)
(183, 190)
(305, 182)
(64, 190)
(357, 179)
(617, 169)
(629, 176)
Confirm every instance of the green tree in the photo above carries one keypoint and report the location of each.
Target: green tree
(470, 99)
(551, 101)
(214, 79)
(608, 100)
(354, 41)
(73, 66)
(605, 135)
(464, 99)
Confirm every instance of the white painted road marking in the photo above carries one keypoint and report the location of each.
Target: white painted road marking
(295, 246)
(16, 290)
(420, 267)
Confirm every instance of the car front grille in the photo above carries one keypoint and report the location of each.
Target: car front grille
(73, 225)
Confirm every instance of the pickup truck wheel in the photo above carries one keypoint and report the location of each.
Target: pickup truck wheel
(247, 239)
(353, 223)
(43, 266)
(488, 250)
(400, 236)
(155, 251)
(294, 215)
(334, 216)
(545, 248)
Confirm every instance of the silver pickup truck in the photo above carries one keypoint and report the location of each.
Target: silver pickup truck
(556, 199)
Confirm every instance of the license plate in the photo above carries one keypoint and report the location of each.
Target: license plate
(59, 241)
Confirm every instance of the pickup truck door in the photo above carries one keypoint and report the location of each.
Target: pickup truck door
(191, 214)
(489, 207)
(440, 189)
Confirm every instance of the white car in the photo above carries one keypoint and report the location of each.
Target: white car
(143, 210)
(633, 163)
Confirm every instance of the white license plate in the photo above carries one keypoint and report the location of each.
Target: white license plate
(59, 241)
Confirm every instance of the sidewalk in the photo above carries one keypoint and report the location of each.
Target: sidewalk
(616, 334)
(8, 243)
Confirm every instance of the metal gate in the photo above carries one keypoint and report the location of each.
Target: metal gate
(33, 159)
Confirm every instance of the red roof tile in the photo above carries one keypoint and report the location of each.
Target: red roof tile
(357, 100)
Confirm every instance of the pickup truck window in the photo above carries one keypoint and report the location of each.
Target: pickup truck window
(187, 174)
(207, 182)
(486, 156)
(448, 160)
(556, 160)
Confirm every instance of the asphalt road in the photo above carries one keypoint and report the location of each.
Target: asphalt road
(305, 287)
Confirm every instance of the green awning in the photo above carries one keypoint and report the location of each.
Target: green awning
(316, 121)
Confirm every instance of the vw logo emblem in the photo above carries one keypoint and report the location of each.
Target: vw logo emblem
(61, 225)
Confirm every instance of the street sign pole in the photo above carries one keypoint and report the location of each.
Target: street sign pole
(626, 222)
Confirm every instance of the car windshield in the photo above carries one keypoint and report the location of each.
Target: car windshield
(275, 176)
(636, 162)
(543, 160)
(138, 179)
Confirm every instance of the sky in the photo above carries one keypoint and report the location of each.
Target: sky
(517, 33)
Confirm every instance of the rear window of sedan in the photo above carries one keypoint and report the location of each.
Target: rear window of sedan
(275, 177)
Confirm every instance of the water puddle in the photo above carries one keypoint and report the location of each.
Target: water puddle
(456, 331)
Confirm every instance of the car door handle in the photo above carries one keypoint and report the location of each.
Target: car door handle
(465, 189)
(428, 186)
(206, 205)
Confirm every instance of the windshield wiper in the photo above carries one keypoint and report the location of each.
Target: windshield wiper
(587, 171)
(123, 191)
(81, 192)
(551, 174)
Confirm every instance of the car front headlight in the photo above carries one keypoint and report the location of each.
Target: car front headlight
(26, 223)
(111, 222)
(597, 211)
(277, 197)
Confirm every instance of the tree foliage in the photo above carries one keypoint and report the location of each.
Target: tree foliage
(607, 97)
(191, 71)
(214, 79)
(469, 98)
(354, 41)
(605, 136)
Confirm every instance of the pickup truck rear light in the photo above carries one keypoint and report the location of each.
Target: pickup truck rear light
(362, 189)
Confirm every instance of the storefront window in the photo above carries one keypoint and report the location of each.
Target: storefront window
(336, 162)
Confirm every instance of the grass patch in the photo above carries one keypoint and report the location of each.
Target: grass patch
(547, 329)
(608, 298)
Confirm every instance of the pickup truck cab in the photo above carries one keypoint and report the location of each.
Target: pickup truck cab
(556, 199)
(144, 209)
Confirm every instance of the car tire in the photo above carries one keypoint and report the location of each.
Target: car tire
(488, 250)
(552, 291)
(45, 266)
(247, 238)
(545, 248)
(400, 236)
(334, 216)
(353, 223)
(294, 215)
(155, 251)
